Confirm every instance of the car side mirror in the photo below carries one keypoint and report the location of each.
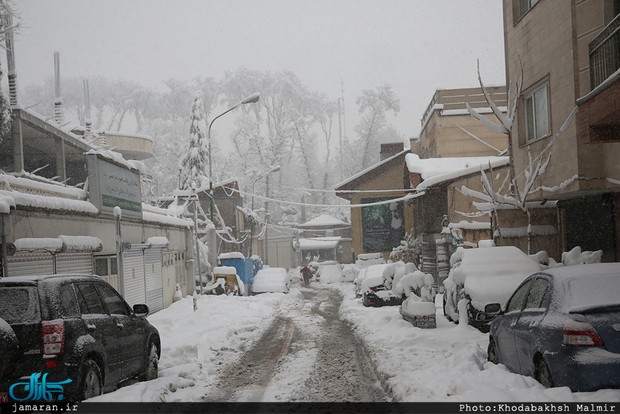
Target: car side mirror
(493, 309)
(140, 310)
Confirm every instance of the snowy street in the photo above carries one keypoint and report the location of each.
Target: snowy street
(307, 346)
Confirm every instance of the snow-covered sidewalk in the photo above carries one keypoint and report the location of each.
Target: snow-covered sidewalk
(446, 364)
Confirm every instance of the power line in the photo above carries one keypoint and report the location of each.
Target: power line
(389, 201)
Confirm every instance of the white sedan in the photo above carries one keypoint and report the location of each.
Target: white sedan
(272, 279)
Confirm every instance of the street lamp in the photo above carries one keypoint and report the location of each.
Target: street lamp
(266, 173)
(248, 99)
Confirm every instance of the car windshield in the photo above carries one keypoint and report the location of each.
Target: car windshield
(593, 291)
(19, 304)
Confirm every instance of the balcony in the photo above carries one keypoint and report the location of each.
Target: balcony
(604, 52)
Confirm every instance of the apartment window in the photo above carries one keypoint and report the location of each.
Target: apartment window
(523, 6)
(537, 113)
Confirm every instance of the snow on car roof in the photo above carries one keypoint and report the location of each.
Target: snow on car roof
(588, 285)
(491, 275)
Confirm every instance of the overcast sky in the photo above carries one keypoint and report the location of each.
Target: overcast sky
(417, 46)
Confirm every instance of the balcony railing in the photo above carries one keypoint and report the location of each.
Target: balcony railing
(605, 53)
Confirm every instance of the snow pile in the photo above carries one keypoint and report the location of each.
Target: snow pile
(224, 270)
(577, 257)
(118, 158)
(231, 255)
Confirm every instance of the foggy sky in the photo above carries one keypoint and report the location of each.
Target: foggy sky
(416, 46)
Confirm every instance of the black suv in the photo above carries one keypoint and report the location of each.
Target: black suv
(71, 327)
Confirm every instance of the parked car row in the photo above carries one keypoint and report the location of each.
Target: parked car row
(72, 330)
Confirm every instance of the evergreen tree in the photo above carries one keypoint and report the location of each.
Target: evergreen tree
(195, 163)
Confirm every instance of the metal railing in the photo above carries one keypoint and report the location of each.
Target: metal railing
(604, 52)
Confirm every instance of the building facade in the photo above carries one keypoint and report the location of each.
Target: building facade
(567, 55)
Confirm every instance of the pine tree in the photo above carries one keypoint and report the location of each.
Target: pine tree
(195, 163)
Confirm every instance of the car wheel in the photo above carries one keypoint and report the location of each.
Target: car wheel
(543, 374)
(493, 353)
(152, 366)
(91, 385)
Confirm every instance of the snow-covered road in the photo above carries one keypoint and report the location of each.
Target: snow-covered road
(211, 355)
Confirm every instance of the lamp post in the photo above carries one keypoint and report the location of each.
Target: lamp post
(266, 173)
(249, 99)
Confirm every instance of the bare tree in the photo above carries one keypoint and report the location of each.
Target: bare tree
(516, 196)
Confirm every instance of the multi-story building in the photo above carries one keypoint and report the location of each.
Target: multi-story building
(567, 56)
(448, 129)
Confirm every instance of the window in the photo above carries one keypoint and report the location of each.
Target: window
(539, 296)
(106, 266)
(537, 113)
(114, 303)
(516, 301)
(101, 266)
(90, 303)
(523, 6)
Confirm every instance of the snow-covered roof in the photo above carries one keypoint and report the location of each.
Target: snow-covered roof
(70, 243)
(369, 169)
(437, 170)
(319, 243)
(324, 220)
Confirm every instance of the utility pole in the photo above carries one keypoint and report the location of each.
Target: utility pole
(343, 137)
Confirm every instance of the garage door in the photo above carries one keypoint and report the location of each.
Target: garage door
(26, 263)
(133, 276)
(74, 263)
(154, 279)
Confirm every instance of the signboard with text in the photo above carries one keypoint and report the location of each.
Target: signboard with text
(112, 184)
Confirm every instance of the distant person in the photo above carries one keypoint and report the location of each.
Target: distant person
(306, 274)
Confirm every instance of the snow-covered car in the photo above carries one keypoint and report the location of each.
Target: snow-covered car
(331, 273)
(369, 271)
(374, 292)
(316, 267)
(484, 276)
(561, 327)
(272, 279)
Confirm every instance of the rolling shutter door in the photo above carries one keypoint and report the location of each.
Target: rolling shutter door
(26, 263)
(74, 263)
(154, 279)
(133, 276)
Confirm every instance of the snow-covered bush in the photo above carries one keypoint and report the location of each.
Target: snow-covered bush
(409, 250)
(418, 284)
(395, 271)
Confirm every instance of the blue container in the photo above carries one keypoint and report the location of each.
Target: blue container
(245, 270)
